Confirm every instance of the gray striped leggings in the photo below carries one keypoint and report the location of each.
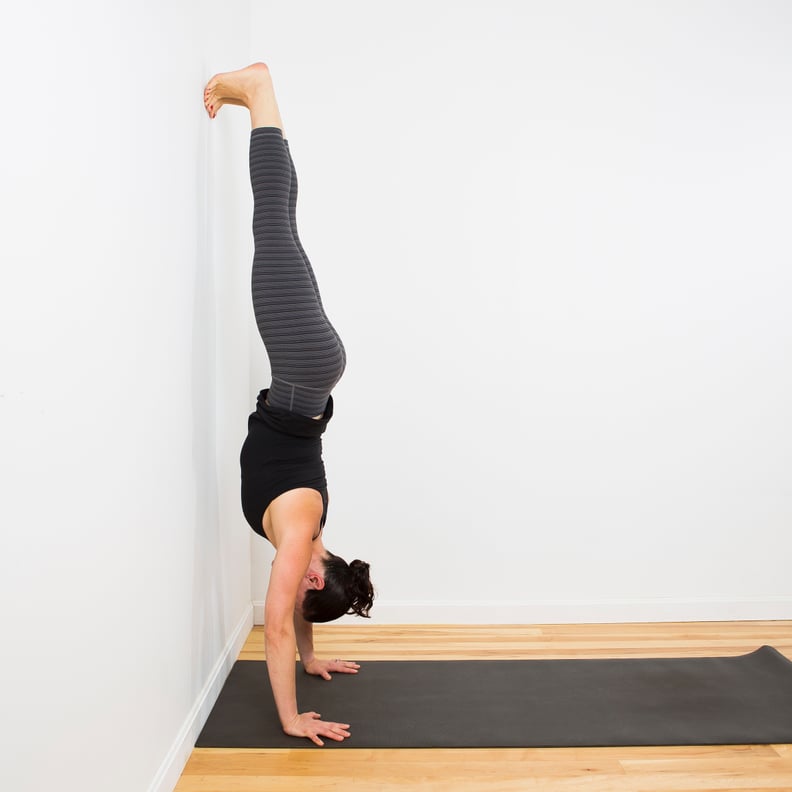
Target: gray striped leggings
(306, 355)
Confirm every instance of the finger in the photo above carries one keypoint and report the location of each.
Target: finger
(315, 715)
(335, 731)
(316, 739)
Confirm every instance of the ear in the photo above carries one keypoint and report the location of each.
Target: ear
(315, 580)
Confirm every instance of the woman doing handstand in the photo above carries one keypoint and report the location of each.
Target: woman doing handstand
(284, 489)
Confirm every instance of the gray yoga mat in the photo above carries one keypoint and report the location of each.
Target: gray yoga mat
(522, 703)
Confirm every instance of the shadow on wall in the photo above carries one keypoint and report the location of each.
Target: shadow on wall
(207, 606)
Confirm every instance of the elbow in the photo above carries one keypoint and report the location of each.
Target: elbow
(275, 633)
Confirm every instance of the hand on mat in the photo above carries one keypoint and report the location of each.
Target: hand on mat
(322, 668)
(308, 724)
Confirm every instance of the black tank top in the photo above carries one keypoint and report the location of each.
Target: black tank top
(282, 451)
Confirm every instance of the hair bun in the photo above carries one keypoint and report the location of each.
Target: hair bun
(362, 592)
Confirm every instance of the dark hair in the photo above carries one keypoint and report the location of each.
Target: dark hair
(347, 589)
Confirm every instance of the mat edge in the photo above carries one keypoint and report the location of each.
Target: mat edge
(763, 649)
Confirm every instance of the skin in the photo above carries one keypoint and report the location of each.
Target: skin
(292, 521)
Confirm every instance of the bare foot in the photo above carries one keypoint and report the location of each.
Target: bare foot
(242, 87)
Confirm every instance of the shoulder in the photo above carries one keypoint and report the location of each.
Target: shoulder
(295, 514)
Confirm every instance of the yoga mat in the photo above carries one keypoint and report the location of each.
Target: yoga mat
(521, 703)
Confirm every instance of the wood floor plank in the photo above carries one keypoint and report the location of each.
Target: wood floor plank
(748, 768)
(397, 642)
(240, 760)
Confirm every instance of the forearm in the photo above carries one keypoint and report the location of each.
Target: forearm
(303, 630)
(280, 648)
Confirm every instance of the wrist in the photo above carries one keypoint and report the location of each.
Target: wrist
(288, 722)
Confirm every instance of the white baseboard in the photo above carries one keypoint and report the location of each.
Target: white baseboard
(602, 611)
(171, 768)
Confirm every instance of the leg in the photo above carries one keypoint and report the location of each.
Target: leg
(252, 87)
(293, 221)
(306, 356)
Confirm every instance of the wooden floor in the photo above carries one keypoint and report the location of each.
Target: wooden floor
(683, 769)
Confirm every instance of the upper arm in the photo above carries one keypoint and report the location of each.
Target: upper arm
(295, 527)
(291, 562)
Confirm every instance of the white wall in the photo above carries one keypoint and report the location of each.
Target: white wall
(124, 389)
(554, 238)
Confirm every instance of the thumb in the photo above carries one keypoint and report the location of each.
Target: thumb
(326, 675)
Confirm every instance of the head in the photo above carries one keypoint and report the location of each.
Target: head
(346, 589)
